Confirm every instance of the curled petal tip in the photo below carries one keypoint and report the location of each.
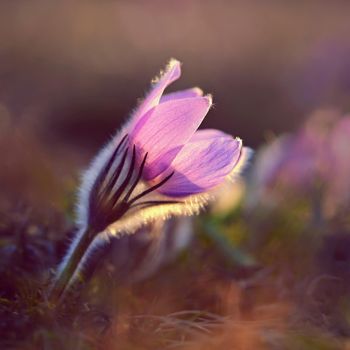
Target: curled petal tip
(198, 91)
(173, 62)
(209, 98)
(193, 92)
(173, 68)
(239, 140)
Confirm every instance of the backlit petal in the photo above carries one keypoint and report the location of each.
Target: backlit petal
(194, 92)
(164, 130)
(203, 163)
(208, 134)
(172, 73)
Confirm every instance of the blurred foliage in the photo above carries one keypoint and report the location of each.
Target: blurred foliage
(248, 279)
(273, 275)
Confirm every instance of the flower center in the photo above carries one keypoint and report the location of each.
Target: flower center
(111, 194)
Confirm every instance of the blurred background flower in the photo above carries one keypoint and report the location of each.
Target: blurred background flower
(311, 163)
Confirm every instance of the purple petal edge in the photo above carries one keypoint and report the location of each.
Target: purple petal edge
(164, 130)
(203, 163)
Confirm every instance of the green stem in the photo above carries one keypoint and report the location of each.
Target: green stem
(69, 268)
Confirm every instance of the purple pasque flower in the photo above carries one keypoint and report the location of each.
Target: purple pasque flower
(165, 127)
(157, 166)
(338, 176)
(313, 160)
(159, 159)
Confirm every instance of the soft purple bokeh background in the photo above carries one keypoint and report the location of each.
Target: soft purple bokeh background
(71, 72)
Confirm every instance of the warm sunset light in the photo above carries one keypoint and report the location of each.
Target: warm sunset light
(174, 175)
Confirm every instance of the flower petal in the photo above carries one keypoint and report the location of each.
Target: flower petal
(203, 163)
(172, 73)
(207, 134)
(339, 162)
(163, 131)
(193, 92)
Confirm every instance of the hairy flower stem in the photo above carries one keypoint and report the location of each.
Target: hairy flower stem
(69, 267)
(109, 199)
